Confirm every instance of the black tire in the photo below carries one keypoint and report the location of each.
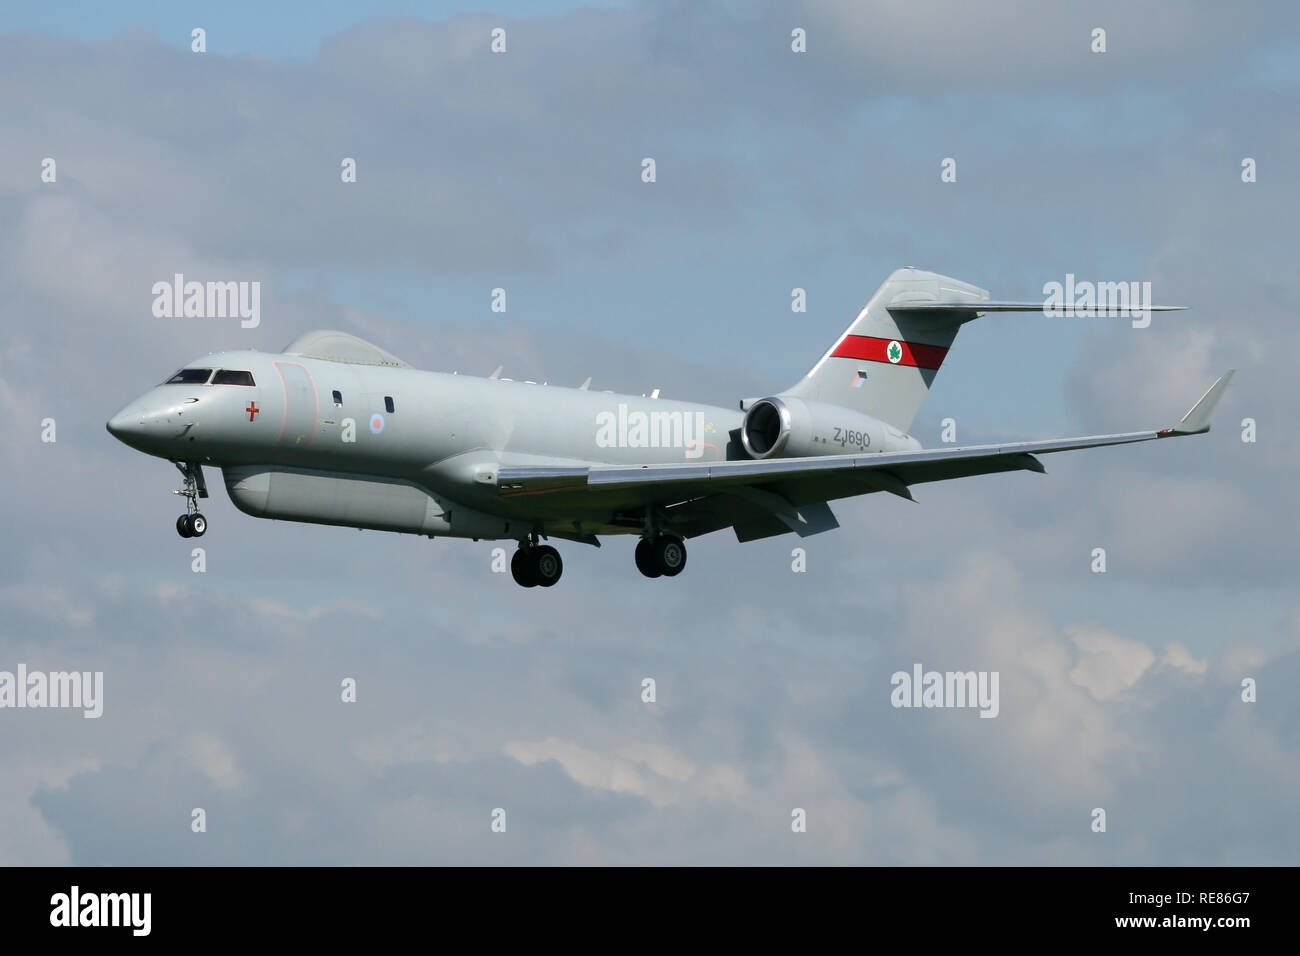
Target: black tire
(645, 559)
(669, 555)
(198, 524)
(547, 566)
(522, 569)
(183, 527)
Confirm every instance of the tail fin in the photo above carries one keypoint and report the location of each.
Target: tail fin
(884, 362)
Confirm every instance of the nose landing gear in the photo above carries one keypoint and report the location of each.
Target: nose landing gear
(191, 524)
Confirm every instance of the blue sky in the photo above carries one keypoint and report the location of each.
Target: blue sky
(280, 31)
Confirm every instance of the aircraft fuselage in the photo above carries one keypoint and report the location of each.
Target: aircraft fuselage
(360, 445)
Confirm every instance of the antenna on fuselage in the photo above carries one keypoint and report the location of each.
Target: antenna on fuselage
(585, 385)
(497, 373)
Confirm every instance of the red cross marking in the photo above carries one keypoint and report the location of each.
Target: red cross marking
(252, 410)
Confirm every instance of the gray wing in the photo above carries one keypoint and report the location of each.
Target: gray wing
(790, 493)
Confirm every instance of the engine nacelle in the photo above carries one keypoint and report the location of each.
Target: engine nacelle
(796, 428)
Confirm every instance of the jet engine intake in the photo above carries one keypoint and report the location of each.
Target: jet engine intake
(788, 427)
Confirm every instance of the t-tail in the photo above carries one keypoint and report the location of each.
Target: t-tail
(884, 363)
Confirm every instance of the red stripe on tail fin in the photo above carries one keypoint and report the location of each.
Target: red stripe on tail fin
(872, 349)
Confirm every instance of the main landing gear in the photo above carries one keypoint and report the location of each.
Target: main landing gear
(536, 565)
(663, 555)
(191, 524)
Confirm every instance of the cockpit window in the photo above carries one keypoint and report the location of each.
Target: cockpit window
(230, 376)
(189, 376)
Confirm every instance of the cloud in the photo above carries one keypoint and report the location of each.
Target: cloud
(1107, 664)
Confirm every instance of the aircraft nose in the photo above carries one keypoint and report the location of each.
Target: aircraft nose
(126, 424)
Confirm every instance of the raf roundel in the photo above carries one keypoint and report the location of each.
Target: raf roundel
(894, 352)
(376, 423)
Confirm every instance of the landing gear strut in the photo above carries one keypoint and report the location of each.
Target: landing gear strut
(536, 565)
(191, 524)
(664, 554)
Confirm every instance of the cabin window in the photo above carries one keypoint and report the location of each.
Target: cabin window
(338, 398)
(388, 403)
(230, 376)
(190, 376)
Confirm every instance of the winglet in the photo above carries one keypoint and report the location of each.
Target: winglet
(1197, 420)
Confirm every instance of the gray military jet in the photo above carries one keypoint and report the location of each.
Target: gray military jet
(337, 431)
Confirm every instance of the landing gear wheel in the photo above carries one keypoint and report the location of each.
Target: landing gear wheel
(547, 566)
(669, 555)
(645, 560)
(523, 570)
(191, 524)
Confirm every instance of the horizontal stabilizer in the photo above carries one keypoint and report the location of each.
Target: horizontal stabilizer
(974, 307)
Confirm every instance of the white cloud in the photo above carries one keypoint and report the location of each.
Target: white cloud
(1108, 665)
